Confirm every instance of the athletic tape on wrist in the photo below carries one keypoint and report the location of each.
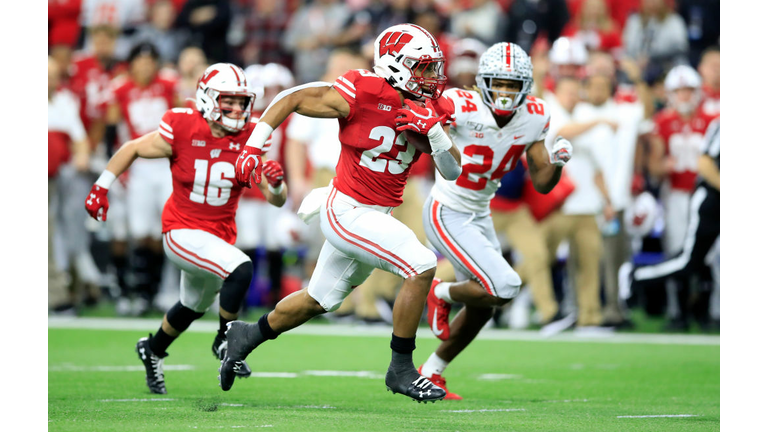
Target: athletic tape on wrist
(106, 179)
(276, 191)
(259, 136)
(438, 139)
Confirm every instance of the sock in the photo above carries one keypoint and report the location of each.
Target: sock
(402, 354)
(223, 325)
(256, 334)
(275, 262)
(433, 366)
(160, 341)
(442, 291)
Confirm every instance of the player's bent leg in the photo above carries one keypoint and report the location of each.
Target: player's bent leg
(464, 328)
(233, 291)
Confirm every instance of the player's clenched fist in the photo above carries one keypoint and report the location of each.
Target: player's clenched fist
(248, 162)
(418, 119)
(561, 152)
(274, 173)
(96, 203)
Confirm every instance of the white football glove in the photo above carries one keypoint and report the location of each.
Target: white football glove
(561, 152)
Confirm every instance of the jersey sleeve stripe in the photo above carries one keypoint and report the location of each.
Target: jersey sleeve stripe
(165, 134)
(341, 87)
(166, 126)
(347, 82)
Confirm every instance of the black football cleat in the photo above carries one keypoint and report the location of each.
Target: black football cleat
(153, 364)
(237, 350)
(220, 351)
(420, 389)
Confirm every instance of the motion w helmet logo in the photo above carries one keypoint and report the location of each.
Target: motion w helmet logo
(393, 42)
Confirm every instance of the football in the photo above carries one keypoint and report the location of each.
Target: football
(421, 142)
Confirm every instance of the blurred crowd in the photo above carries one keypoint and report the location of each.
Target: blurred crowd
(633, 84)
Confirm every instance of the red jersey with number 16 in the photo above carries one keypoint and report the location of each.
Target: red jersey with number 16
(205, 192)
(375, 159)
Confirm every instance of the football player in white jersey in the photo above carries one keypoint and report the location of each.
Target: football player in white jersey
(496, 123)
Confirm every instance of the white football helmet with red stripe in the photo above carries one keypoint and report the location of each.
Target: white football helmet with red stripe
(403, 54)
(683, 77)
(223, 79)
(505, 61)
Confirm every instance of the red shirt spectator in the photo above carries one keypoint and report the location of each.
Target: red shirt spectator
(594, 26)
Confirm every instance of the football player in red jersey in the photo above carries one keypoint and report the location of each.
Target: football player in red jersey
(199, 217)
(355, 211)
(675, 150)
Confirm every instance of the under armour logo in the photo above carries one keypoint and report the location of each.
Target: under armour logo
(234, 146)
(215, 153)
(420, 123)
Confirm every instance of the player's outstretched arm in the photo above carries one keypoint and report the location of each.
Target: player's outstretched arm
(316, 99)
(149, 146)
(545, 168)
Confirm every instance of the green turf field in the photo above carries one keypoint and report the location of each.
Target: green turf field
(96, 383)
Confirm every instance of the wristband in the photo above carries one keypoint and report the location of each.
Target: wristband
(259, 136)
(105, 180)
(438, 139)
(276, 190)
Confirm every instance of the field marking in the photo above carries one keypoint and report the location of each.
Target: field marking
(660, 416)
(230, 427)
(67, 367)
(352, 330)
(355, 374)
(484, 410)
(275, 374)
(138, 400)
(498, 377)
(566, 401)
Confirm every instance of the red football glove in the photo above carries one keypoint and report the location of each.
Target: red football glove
(418, 119)
(274, 173)
(248, 162)
(97, 204)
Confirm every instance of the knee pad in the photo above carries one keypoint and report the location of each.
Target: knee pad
(235, 287)
(180, 316)
(509, 287)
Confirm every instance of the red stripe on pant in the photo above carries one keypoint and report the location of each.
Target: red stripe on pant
(401, 264)
(447, 240)
(215, 268)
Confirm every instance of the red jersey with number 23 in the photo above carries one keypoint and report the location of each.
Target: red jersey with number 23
(375, 158)
(205, 192)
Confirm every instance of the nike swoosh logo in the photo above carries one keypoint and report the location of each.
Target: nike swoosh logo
(518, 137)
(434, 325)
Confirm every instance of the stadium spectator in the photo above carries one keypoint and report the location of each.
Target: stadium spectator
(265, 24)
(208, 24)
(656, 35)
(567, 58)
(123, 15)
(702, 229)
(311, 35)
(67, 145)
(138, 101)
(192, 64)
(576, 221)
(702, 18)
(619, 150)
(160, 32)
(675, 149)
(526, 20)
(709, 69)
(63, 22)
(594, 26)
(465, 58)
(480, 20)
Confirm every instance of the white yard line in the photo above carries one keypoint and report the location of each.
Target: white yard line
(484, 410)
(138, 400)
(144, 324)
(660, 416)
(67, 367)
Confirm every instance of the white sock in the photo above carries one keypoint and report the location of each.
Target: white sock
(434, 365)
(442, 291)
